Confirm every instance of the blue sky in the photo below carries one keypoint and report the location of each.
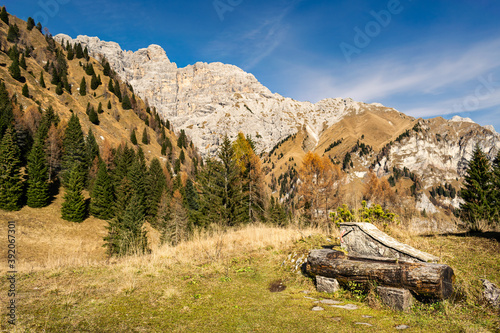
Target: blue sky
(424, 58)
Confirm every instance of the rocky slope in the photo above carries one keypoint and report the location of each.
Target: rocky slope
(208, 100)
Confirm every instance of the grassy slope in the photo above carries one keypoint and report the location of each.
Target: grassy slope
(218, 283)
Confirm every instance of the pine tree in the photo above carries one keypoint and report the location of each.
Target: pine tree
(99, 108)
(477, 191)
(30, 24)
(91, 147)
(74, 149)
(38, 175)
(89, 70)
(83, 87)
(133, 137)
(15, 71)
(106, 68)
(26, 92)
(145, 139)
(182, 156)
(102, 197)
(110, 86)
(11, 187)
(86, 53)
(73, 208)
(109, 104)
(4, 16)
(126, 103)
(42, 81)
(39, 26)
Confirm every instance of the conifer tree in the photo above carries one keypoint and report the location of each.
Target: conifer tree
(109, 104)
(126, 103)
(74, 149)
(70, 55)
(182, 156)
(4, 16)
(59, 89)
(477, 191)
(89, 70)
(38, 175)
(83, 87)
(42, 81)
(93, 117)
(22, 62)
(15, 71)
(78, 51)
(91, 147)
(156, 184)
(102, 197)
(86, 53)
(99, 108)
(73, 208)
(495, 194)
(145, 139)
(11, 187)
(30, 24)
(6, 115)
(110, 86)
(26, 92)
(117, 91)
(39, 26)
(13, 33)
(106, 68)
(133, 137)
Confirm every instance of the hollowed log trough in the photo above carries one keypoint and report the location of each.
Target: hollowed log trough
(427, 280)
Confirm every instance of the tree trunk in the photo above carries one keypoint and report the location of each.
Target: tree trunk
(425, 279)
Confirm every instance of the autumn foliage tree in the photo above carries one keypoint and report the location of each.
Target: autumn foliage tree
(320, 184)
(378, 191)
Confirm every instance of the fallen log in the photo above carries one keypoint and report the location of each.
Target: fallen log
(424, 279)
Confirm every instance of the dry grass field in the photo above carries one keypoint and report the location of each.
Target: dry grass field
(219, 281)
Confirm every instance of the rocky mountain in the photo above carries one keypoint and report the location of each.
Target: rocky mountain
(208, 100)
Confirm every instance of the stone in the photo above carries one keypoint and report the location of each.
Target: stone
(396, 298)
(366, 316)
(327, 285)
(337, 318)
(366, 240)
(491, 293)
(402, 327)
(329, 301)
(317, 308)
(346, 307)
(360, 323)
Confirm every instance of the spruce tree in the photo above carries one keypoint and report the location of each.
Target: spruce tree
(110, 86)
(126, 103)
(117, 91)
(477, 191)
(38, 175)
(15, 70)
(109, 104)
(6, 114)
(102, 197)
(4, 16)
(26, 92)
(86, 53)
(91, 147)
(99, 108)
(94, 82)
(39, 27)
(74, 208)
(30, 24)
(13, 33)
(89, 70)
(495, 193)
(93, 117)
(156, 184)
(106, 68)
(74, 149)
(59, 89)
(70, 55)
(22, 62)
(42, 81)
(79, 51)
(11, 187)
(145, 139)
(133, 137)
(83, 87)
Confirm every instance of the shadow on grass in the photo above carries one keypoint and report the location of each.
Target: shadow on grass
(494, 235)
